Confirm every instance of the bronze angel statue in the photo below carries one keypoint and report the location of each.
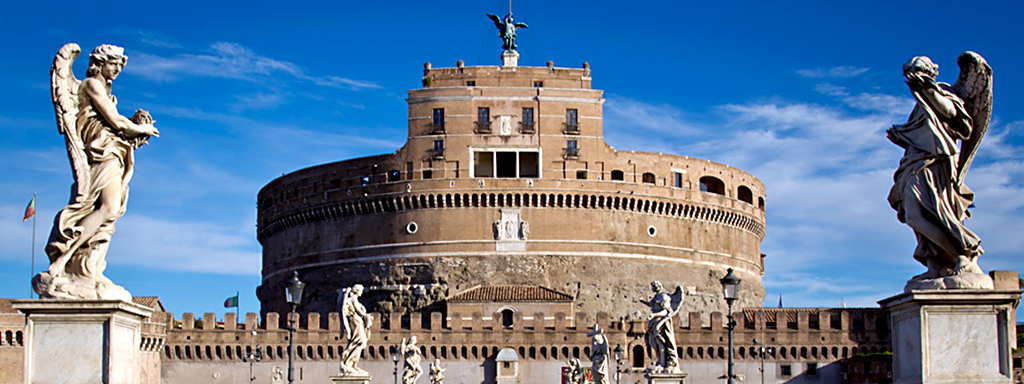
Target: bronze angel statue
(101, 144)
(940, 139)
(507, 30)
(661, 335)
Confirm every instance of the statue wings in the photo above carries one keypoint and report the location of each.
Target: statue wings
(520, 25)
(974, 87)
(64, 91)
(346, 328)
(497, 22)
(677, 300)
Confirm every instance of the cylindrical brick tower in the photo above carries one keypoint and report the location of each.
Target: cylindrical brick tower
(505, 178)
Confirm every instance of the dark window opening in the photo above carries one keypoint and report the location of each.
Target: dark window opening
(572, 148)
(394, 175)
(760, 203)
(785, 370)
(483, 164)
(408, 170)
(428, 173)
(529, 164)
(364, 181)
(638, 356)
(437, 125)
(506, 318)
(538, 84)
(528, 125)
(648, 178)
(677, 179)
(438, 150)
(745, 194)
(812, 369)
(506, 164)
(618, 175)
(483, 119)
(712, 184)
(581, 174)
(572, 123)
(471, 83)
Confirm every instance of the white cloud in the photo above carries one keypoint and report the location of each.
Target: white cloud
(257, 101)
(183, 245)
(843, 71)
(662, 119)
(232, 61)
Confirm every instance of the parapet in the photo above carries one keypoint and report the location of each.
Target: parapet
(548, 76)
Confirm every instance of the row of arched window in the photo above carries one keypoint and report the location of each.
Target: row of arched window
(517, 200)
(11, 338)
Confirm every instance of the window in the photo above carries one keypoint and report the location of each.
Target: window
(527, 120)
(712, 184)
(677, 179)
(438, 150)
(647, 178)
(617, 175)
(744, 194)
(471, 83)
(760, 203)
(364, 181)
(785, 370)
(437, 125)
(638, 356)
(572, 149)
(506, 164)
(538, 84)
(483, 119)
(428, 173)
(572, 123)
(506, 318)
(408, 170)
(394, 175)
(812, 369)
(581, 174)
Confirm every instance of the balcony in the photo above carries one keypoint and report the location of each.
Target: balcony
(436, 128)
(527, 127)
(571, 128)
(483, 127)
(437, 153)
(571, 153)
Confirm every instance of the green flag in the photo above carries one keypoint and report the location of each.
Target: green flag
(231, 302)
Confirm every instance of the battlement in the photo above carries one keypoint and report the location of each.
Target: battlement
(548, 76)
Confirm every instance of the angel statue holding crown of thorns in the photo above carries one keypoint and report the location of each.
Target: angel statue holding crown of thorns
(940, 139)
(661, 336)
(101, 144)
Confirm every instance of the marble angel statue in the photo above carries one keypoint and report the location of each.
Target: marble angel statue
(940, 139)
(661, 337)
(575, 372)
(355, 329)
(598, 355)
(411, 361)
(101, 146)
(436, 372)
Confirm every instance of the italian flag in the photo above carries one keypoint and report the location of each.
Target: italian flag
(231, 302)
(30, 210)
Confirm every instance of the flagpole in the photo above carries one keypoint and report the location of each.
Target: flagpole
(33, 271)
(239, 304)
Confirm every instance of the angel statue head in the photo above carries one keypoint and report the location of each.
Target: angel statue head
(656, 286)
(107, 61)
(922, 65)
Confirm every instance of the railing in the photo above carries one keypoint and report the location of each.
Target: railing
(571, 128)
(527, 127)
(436, 128)
(437, 153)
(482, 127)
(572, 153)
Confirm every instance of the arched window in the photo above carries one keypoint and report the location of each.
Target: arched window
(744, 194)
(760, 203)
(712, 184)
(394, 175)
(617, 175)
(506, 318)
(638, 356)
(648, 178)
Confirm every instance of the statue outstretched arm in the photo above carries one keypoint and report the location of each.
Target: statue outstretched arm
(96, 91)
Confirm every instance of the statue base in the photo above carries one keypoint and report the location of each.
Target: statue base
(83, 341)
(510, 59)
(665, 378)
(72, 287)
(351, 379)
(961, 281)
(952, 336)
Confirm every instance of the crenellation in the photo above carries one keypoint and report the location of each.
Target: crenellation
(188, 320)
(313, 321)
(209, 321)
(272, 321)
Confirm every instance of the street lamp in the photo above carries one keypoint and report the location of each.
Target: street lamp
(253, 356)
(618, 362)
(394, 361)
(293, 295)
(761, 351)
(730, 285)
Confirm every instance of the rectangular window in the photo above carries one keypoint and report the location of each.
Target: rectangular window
(408, 170)
(529, 164)
(483, 115)
(581, 174)
(812, 369)
(471, 83)
(528, 124)
(785, 370)
(571, 145)
(506, 164)
(572, 123)
(483, 164)
(437, 124)
(678, 179)
(438, 151)
(428, 173)
(538, 84)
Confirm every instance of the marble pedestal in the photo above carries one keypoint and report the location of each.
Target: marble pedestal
(952, 336)
(665, 378)
(510, 59)
(351, 379)
(83, 341)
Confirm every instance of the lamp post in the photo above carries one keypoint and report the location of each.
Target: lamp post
(618, 362)
(761, 351)
(394, 361)
(730, 285)
(253, 357)
(293, 295)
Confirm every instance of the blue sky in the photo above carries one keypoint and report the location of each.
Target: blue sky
(797, 93)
